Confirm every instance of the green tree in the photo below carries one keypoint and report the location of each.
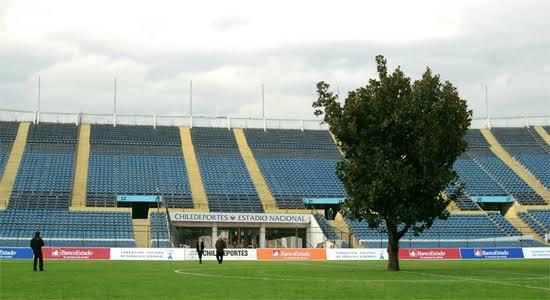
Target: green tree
(399, 142)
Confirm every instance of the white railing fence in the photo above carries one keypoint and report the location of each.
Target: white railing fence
(225, 121)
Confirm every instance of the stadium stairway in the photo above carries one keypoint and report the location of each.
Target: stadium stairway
(200, 200)
(514, 219)
(141, 232)
(258, 179)
(12, 166)
(80, 180)
(343, 231)
(542, 132)
(518, 168)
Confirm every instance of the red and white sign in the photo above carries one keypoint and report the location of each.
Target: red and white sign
(291, 254)
(430, 253)
(76, 253)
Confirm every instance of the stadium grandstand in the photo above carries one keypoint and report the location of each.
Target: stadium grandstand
(122, 181)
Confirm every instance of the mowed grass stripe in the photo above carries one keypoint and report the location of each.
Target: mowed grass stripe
(280, 280)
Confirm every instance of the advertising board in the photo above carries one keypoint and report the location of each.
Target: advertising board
(291, 254)
(75, 253)
(538, 252)
(429, 253)
(147, 254)
(491, 253)
(15, 253)
(229, 254)
(356, 254)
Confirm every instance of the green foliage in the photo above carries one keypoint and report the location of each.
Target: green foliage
(399, 140)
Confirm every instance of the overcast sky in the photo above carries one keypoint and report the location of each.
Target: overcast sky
(228, 48)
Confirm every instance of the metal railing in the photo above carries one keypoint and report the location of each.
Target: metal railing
(225, 121)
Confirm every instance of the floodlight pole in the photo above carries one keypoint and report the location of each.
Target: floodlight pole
(263, 106)
(487, 108)
(190, 103)
(114, 103)
(158, 216)
(37, 120)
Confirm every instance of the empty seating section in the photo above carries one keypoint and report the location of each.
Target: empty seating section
(457, 231)
(136, 160)
(526, 145)
(8, 131)
(509, 180)
(62, 228)
(45, 175)
(475, 179)
(484, 174)
(538, 220)
(325, 227)
(226, 180)
(297, 164)
(160, 231)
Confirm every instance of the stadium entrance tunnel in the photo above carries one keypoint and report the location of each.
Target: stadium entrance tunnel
(246, 230)
(140, 210)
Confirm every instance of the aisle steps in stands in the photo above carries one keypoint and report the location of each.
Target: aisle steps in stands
(545, 135)
(512, 217)
(518, 168)
(141, 232)
(81, 168)
(258, 179)
(195, 181)
(342, 230)
(12, 166)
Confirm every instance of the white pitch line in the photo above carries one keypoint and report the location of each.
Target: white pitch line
(482, 280)
(181, 271)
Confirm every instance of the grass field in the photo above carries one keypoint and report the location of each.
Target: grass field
(511, 279)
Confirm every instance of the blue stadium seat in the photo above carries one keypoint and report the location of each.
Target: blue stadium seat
(296, 164)
(228, 185)
(62, 228)
(458, 231)
(45, 175)
(136, 160)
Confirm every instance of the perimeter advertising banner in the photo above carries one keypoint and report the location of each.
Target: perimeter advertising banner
(356, 254)
(75, 253)
(230, 254)
(429, 253)
(491, 253)
(15, 253)
(291, 254)
(147, 254)
(534, 253)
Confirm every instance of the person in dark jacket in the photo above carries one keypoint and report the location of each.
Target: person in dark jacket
(200, 249)
(220, 247)
(36, 245)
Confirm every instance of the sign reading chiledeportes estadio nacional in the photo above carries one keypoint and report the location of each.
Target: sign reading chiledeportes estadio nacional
(239, 217)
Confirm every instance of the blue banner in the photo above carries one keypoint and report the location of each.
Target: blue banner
(16, 253)
(491, 253)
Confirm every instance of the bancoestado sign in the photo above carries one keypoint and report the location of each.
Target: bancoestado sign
(239, 217)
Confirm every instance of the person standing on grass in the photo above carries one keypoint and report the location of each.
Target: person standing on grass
(36, 245)
(220, 247)
(200, 249)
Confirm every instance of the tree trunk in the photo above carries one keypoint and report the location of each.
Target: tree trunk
(393, 249)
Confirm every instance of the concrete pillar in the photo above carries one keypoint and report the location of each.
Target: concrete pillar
(262, 236)
(214, 235)
(308, 237)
